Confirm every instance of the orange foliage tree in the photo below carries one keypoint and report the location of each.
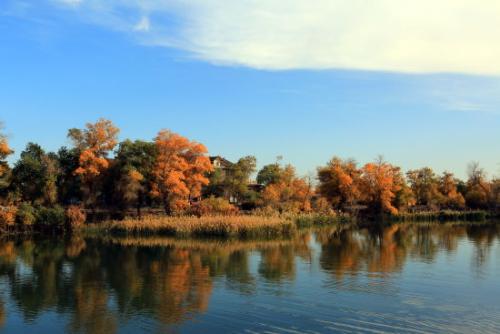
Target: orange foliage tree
(180, 170)
(94, 143)
(451, 198)
(380, 182)
(288, 192)
(339, 182)
(5, 151)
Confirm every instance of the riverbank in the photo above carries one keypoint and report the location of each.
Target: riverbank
(242, 226)
(58, 220)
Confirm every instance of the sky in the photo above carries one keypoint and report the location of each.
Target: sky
(415, 81)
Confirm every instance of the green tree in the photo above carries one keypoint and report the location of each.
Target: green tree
(425, 186)
(269, 174)
(35, 175)
(238, 176)
(68, 185)
(133, 168)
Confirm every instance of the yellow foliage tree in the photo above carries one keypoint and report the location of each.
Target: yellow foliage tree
(180, 170)
(94, 143)
(4, 152)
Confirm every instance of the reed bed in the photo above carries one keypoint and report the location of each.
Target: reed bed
(442, 216)
(217, 226)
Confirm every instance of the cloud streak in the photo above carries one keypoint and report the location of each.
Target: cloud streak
(426, 36)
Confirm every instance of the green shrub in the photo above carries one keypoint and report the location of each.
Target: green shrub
(51, 217)
(26, 214)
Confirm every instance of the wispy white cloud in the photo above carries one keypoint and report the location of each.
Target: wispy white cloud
(143, 25)
(70, 2)
(389, 35)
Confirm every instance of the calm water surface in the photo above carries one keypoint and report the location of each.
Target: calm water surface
(404, 278)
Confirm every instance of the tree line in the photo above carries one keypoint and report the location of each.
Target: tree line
(174, 173)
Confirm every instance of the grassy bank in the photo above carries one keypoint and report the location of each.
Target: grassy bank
(220, 226)
(241, 226)
(441, 216)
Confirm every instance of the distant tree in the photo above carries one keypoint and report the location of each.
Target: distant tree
(69, 187)
(5, 151)
(379, 186)
(495, 193)
(238, 177)
(404, 197)
(180, 170)
(287, 192)
(478, 189)
(269, 174)
(35, 175)
(425, 186)
(339, 182)
(451, 197)
(133, 173)
(93, 143)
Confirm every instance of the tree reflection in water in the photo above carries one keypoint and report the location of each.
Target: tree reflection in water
(100, 283)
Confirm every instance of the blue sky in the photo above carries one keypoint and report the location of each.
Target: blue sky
(242, 87)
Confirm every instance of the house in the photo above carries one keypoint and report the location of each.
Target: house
(220, 163)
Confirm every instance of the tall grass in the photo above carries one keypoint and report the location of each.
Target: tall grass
(318, 219)
(442, 216)
(219, 226)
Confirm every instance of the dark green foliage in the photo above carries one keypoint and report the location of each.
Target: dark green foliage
(232, 182)
(443, 216)
(26, 214)
(121, 188)
(35, 174)
(69, 186)
(269, 174)
(51, 217)
(321, 219)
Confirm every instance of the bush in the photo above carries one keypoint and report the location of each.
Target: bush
(26, 214)
(7, 215)
(215, 206)
(51, 217)
(75, 217)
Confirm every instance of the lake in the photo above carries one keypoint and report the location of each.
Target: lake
(397, 279)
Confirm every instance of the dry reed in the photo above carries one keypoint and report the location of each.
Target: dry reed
(224, 226)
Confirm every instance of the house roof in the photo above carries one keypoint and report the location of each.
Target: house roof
(223, 161)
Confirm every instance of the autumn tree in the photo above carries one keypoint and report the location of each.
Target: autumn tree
(5, 151)
(478, 191)
(425, 186)
(380, 183)
(285, 191)
(339, 182)
(180, 170)
(94, 144)
(451, 197)
(35, 175)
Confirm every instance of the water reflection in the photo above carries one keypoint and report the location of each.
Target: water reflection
(102, 284)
